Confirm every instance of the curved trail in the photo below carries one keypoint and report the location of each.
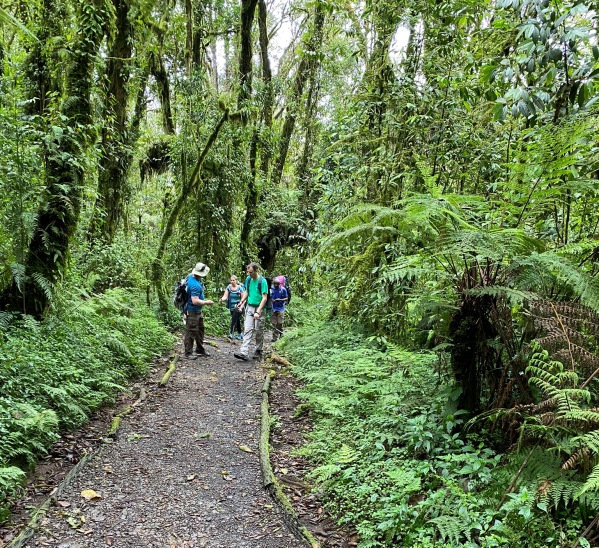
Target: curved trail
(176, 476)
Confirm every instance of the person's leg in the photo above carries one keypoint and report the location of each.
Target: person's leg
(238, 322)
(200, 339)
(276, 325)
(234, 321)
(191, 330)
(248, 331)
(259, 328)
(281, 323)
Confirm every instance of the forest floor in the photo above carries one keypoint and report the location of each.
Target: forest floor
(183, 469)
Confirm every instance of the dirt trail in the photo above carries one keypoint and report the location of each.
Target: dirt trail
(175, 476)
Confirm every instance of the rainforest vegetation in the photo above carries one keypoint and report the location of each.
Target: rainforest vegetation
(426, 173)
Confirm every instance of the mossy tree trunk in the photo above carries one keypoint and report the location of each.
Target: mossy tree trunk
(305, 72)
(59, 213)
(191, 184)
(117, 138)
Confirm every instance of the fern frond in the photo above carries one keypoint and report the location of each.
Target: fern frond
(591, 483)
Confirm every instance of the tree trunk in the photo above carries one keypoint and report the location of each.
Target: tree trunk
(58, 216)
(248, 7)
(251, 203)
(265, 140)
(116, 154)
(305, 72)
(158, 70)
(188, 186)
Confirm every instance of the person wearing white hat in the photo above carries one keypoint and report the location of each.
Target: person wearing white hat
(194, 327)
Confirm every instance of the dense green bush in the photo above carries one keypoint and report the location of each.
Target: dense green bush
(388, 457)
(54, 374)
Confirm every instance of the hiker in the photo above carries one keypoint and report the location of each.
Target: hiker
(255, 294)
(194, 326)
(278, 294)
(232, 296)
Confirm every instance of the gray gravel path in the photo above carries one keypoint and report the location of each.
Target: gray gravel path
(176, 476)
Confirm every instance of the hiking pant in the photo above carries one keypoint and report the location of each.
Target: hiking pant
(253, 331)
(235, 321)
(194, 331)
(277, 323)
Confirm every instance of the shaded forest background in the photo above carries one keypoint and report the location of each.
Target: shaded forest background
(427, 171)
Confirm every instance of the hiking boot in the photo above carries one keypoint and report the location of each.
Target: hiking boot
(190, 357)
(241, 356)
(257, 355)
(230, 336)
(240, 337)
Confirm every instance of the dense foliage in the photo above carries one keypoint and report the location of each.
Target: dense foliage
(428, 169)
(390, 459)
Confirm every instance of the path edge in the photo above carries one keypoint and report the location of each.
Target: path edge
(269, 480)
(40, 512)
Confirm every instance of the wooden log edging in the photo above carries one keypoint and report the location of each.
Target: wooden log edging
(269, 479)
(39, 514)
(169, 371)
(41, 511)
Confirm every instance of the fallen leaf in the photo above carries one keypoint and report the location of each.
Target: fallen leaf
(191, 477)
(204, 435)
(63, 503)
(246, 449)
(90, 494)
(284, 471)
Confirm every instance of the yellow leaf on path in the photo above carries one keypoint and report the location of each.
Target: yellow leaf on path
(246, 449)
(90, 494)
(284, 471)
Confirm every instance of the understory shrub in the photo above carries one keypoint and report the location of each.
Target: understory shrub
(54, 374)
(391, 456)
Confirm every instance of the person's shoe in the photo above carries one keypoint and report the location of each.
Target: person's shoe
(202, 353)
(191, 356)
(241, 356)
(257, 355)
(230, 336)
(240, 337)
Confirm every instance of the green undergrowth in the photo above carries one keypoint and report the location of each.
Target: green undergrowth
(54, 374)
(390, 456)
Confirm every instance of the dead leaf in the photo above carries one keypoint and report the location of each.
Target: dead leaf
(63, 503)
(90, 494)
(284, 471)
(191, 477)
(246, 449)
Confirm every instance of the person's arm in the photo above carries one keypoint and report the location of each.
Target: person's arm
(200, 302)
(244, 298)
(225, 296)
